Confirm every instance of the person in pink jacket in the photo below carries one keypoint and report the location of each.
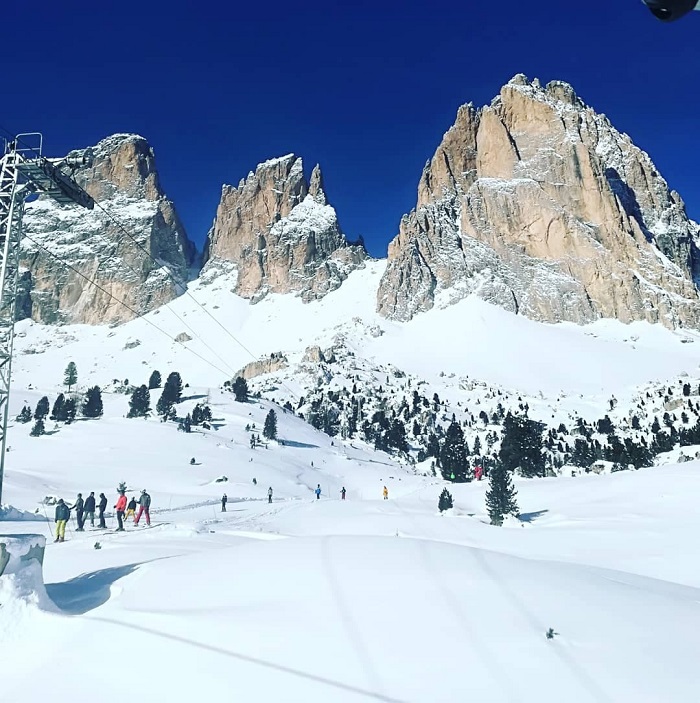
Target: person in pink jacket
(478, 472)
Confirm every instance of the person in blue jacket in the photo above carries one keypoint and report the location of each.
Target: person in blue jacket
(318, 491)
(62, 517)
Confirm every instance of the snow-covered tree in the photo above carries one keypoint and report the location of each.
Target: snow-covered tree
(521, 446)
(25, 415)
(38, 429)
(58, 412)
(453, 455)
(70, 409)
(172, 394)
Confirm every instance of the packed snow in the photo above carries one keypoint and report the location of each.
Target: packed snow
(306, 599)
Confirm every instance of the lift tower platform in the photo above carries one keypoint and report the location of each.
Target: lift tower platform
(24, 172)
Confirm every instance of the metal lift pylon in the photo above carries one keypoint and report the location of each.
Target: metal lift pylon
(23, 172)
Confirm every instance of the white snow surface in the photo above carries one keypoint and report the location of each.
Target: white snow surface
(358, 600)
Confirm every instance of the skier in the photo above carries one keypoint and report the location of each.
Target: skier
(318, 492)
(224, 500)
(131, 509)
(144, 507)
(120, 508)
(102, 506)
(62, 517)
(90, 509)
(79, 507)
(255, 481)
(342, 493)
(192, 461)
(385, 493)
(269, 494)
(478, 472)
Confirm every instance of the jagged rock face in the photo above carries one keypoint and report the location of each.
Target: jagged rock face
(536, 203)
(276, 362)
(124, 181)
(281, 234)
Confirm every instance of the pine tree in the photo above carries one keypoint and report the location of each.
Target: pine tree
(42, 409)
(186, 424)
(25, 415)
(154, 381)
(453, 455)
(521, 446)
(501, 494)
(240, 389)
(70, 375)
(38, 429)
(445, 502)
(58, 410)
(140, 402)
(70, 409)
(172, 394)
(270, 428)
(92, 407)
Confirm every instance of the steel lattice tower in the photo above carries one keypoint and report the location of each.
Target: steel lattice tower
(23, 172)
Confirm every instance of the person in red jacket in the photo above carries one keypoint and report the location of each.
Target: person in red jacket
(478, 472)
(120, 508)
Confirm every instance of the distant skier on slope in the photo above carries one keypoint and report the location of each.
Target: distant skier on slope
(144, 507)
(62, 517)
(478, 472)
(79, 507)
(131, 509)
(224, 500)
(102, 507)
(342, 493)
(269, 494)
(318, 492)
(120, 507)
(90, 509)
(385, 493)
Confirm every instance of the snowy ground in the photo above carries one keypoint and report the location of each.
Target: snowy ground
(366, 599)
(361, 600)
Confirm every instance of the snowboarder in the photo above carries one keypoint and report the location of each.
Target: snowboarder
(131, 509)
(385, 493)
(120, 507)
(318, 492)
(62, 517)
(144, 507)
(478, 472)
(255, 481)
(342, 493)
(192, 461)
(90, 509)
(224, 500)
(79, 507)
(102, 506)
(269, 494)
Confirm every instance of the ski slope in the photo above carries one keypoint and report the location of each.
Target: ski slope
(357, 600)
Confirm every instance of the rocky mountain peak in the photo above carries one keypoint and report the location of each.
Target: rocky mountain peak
(123, 179)
(279, 234)
(537, 203)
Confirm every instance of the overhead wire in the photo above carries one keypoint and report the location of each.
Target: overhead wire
(136, 313)
(178, 282)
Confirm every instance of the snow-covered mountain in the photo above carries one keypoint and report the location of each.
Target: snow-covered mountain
(133, 246)
(537, 204)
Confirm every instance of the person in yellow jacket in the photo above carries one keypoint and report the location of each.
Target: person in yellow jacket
(385, 493)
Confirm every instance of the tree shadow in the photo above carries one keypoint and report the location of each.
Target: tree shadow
(299, 445)
(193, 397)
(531, 517)
(87, 591)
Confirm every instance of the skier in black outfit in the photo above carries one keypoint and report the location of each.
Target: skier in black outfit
(79, 507)
(224, 500)
(103, 506)
(90, 509)
(269, 494)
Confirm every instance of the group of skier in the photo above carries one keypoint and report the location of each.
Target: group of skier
(85, 510)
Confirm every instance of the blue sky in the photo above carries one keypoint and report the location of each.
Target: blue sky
(367, 89)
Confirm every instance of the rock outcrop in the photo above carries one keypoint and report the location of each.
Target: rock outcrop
(280, 234)
(275, 362)
(536, 203)
(124, 181)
